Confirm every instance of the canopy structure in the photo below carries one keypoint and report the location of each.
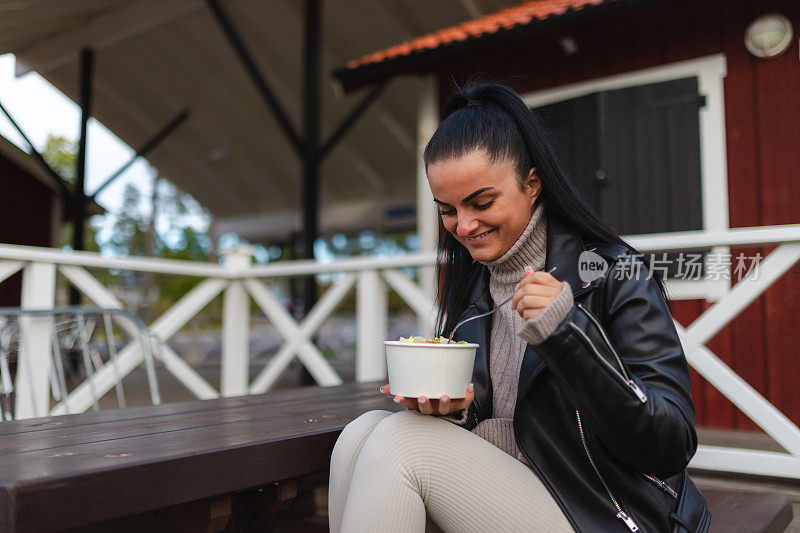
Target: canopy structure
(154, 60)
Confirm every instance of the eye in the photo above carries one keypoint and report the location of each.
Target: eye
(443, 213)
(484, 206)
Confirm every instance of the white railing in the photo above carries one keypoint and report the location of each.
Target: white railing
(237, 280)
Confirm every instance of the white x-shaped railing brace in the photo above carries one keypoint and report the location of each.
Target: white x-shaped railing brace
(298, 336)
(730, 384)
(131, 356)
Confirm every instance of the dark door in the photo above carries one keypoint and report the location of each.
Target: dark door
(635, 154)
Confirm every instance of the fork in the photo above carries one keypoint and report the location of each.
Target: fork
(498, 306)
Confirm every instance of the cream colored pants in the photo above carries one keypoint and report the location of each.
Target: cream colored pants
(396, 471)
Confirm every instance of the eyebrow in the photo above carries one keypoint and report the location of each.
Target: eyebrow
(468, 198)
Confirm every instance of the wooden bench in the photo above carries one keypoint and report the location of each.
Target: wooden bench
(203, 465)
(75, 470)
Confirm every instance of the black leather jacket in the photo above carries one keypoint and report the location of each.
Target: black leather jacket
(604, 412)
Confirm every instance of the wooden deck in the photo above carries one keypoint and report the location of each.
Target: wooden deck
(748, 512)
(726, 490)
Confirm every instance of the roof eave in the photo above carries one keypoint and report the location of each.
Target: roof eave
(351, 80)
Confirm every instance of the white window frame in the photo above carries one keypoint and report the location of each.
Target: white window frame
(710, 72)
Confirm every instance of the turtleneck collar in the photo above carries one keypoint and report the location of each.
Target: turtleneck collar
(530, 249)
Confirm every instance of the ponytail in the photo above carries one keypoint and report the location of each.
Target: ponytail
(494, 118)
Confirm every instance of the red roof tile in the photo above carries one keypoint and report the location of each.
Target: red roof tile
(505, 19)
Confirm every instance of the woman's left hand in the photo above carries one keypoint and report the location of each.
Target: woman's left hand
(432, 406)
(534, 293)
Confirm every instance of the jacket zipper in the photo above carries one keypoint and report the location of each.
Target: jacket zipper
(621, 514)
(661, 484)
(639, 392)
(626, 380)
(596, 322)
(476, 409)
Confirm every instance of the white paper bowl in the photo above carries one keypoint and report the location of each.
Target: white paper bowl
(432, 370)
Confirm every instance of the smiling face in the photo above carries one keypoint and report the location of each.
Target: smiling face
(482, 204)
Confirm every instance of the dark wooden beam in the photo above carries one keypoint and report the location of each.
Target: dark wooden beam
(250, 66)
(79, 198)
(351, 119)
(311, 113)
(162, 134)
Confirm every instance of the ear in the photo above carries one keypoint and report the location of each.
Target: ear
(533, 185)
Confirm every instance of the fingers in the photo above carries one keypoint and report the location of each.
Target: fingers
(443, 406)
(463, 403)
(449, 405)
(533, 291)
(528, 314)
(528, 272)
(425, 406)
(538, 277)
(408, 403)
(532, 303)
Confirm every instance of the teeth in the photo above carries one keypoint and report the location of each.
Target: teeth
(475, 238)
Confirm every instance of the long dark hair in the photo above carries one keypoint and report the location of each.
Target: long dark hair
(494, 118)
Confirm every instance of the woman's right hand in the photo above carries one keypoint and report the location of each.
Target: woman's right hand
(442, 406)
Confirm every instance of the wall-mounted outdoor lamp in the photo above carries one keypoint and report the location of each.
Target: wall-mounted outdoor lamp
(769, 35)
(568, 45)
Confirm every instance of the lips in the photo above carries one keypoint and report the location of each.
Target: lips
(478, 238)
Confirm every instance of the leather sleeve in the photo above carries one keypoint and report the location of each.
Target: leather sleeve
(657, 435)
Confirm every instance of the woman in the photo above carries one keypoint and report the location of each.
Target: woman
(580, 415)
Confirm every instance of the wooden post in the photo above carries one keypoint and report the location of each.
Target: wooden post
(236, 328)
(33, 375)
(427, 221)
(371, 311)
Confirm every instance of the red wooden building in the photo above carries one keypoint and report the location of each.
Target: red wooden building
(30, 210)
(656, 103)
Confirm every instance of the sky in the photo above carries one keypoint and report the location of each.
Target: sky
(40, 109)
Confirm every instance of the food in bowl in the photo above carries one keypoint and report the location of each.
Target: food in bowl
(425, 340)
(419, 366)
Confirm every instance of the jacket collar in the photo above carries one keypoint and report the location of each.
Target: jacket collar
(564, 248)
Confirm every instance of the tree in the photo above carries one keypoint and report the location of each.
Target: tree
(169, 230)
(179, 213)
(129, 231)
(61, 154)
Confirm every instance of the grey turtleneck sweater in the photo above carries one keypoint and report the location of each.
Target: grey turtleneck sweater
(510, 334)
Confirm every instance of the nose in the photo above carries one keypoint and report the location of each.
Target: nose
(466, 224)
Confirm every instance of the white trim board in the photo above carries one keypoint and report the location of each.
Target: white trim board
(710, 72)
